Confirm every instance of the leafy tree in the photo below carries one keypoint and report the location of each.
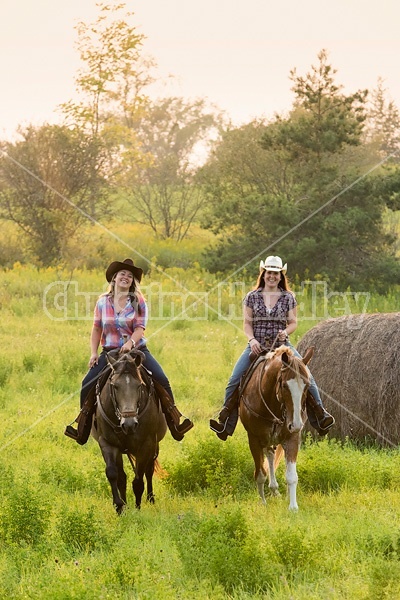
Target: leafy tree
(326, 216)
(111, 85)
(110, 50)
(239, 168)
(162, 186)
(149, 144)
(46, 183)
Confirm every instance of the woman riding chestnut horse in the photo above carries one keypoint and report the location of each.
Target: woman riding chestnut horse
(269, 318)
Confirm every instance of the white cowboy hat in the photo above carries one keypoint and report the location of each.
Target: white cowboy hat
(273, 263)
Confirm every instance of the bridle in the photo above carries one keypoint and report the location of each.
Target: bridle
(278, 388)
(272, 416)
(125, 414)
(276, 420)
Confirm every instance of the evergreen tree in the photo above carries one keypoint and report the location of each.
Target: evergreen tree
(326, 219)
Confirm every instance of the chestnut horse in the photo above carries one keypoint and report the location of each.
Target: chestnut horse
(272, 410)
(129, 420)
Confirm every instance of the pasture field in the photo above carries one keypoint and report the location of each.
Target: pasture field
(207, 536)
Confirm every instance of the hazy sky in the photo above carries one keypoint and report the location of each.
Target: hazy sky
(238, 53)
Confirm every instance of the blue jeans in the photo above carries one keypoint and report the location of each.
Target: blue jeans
(90, 379)
(240, 368)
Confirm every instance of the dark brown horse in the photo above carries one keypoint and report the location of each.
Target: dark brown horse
(129, 421)
(272, 410)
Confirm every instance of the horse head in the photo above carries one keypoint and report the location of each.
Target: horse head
(126, 388)
(292, 386)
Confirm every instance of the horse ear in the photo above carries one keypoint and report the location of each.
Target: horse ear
(308, 355)
(285, 359)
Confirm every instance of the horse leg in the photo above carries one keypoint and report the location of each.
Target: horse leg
(260, 474)
(138, 488)
(149, 479)
(273, 484)
(113, 459)
(121, 478)
(138, 483)
(291, 473)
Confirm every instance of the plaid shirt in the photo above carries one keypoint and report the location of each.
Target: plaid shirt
(267, 323)
(115, 326)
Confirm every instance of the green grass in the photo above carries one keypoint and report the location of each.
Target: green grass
(208, 534)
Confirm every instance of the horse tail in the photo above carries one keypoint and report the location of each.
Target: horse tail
(159, 471)
(279, 453)
(132, 460)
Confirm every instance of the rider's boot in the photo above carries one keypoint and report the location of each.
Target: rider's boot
(84, 420)
(219, 427)
(324, 419)
(172, 414)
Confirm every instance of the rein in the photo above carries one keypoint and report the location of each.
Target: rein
(276, 420)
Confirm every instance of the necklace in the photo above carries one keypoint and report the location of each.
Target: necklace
(120, 303)
(271, 298)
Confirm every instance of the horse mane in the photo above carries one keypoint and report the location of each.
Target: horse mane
(294, 363)
(127, 363)
(279, 351)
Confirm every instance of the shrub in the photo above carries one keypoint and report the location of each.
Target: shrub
(296, 546)
(81, 529)
(5, 371)
(221, 548)
(24, 516)
(32, 360)
(209, 465)
(384, 579)
(6, 477)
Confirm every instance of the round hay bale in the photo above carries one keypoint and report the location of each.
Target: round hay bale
(357, 369)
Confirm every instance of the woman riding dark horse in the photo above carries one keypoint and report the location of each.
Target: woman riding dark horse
(129, 421)
(120, 319)
(269, 318)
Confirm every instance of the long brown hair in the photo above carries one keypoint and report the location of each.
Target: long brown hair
(283, 282)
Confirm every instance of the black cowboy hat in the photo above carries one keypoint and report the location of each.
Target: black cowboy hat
(126, 265)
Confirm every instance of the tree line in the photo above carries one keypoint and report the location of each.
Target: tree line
(315, 185)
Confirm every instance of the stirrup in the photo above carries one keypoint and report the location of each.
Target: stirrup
(217, 426)
(327, 427)
(71, 432)
(184, 427)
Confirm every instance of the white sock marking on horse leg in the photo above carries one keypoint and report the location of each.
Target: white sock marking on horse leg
(291, 480)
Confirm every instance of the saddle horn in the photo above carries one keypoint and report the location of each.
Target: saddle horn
(136, 356)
